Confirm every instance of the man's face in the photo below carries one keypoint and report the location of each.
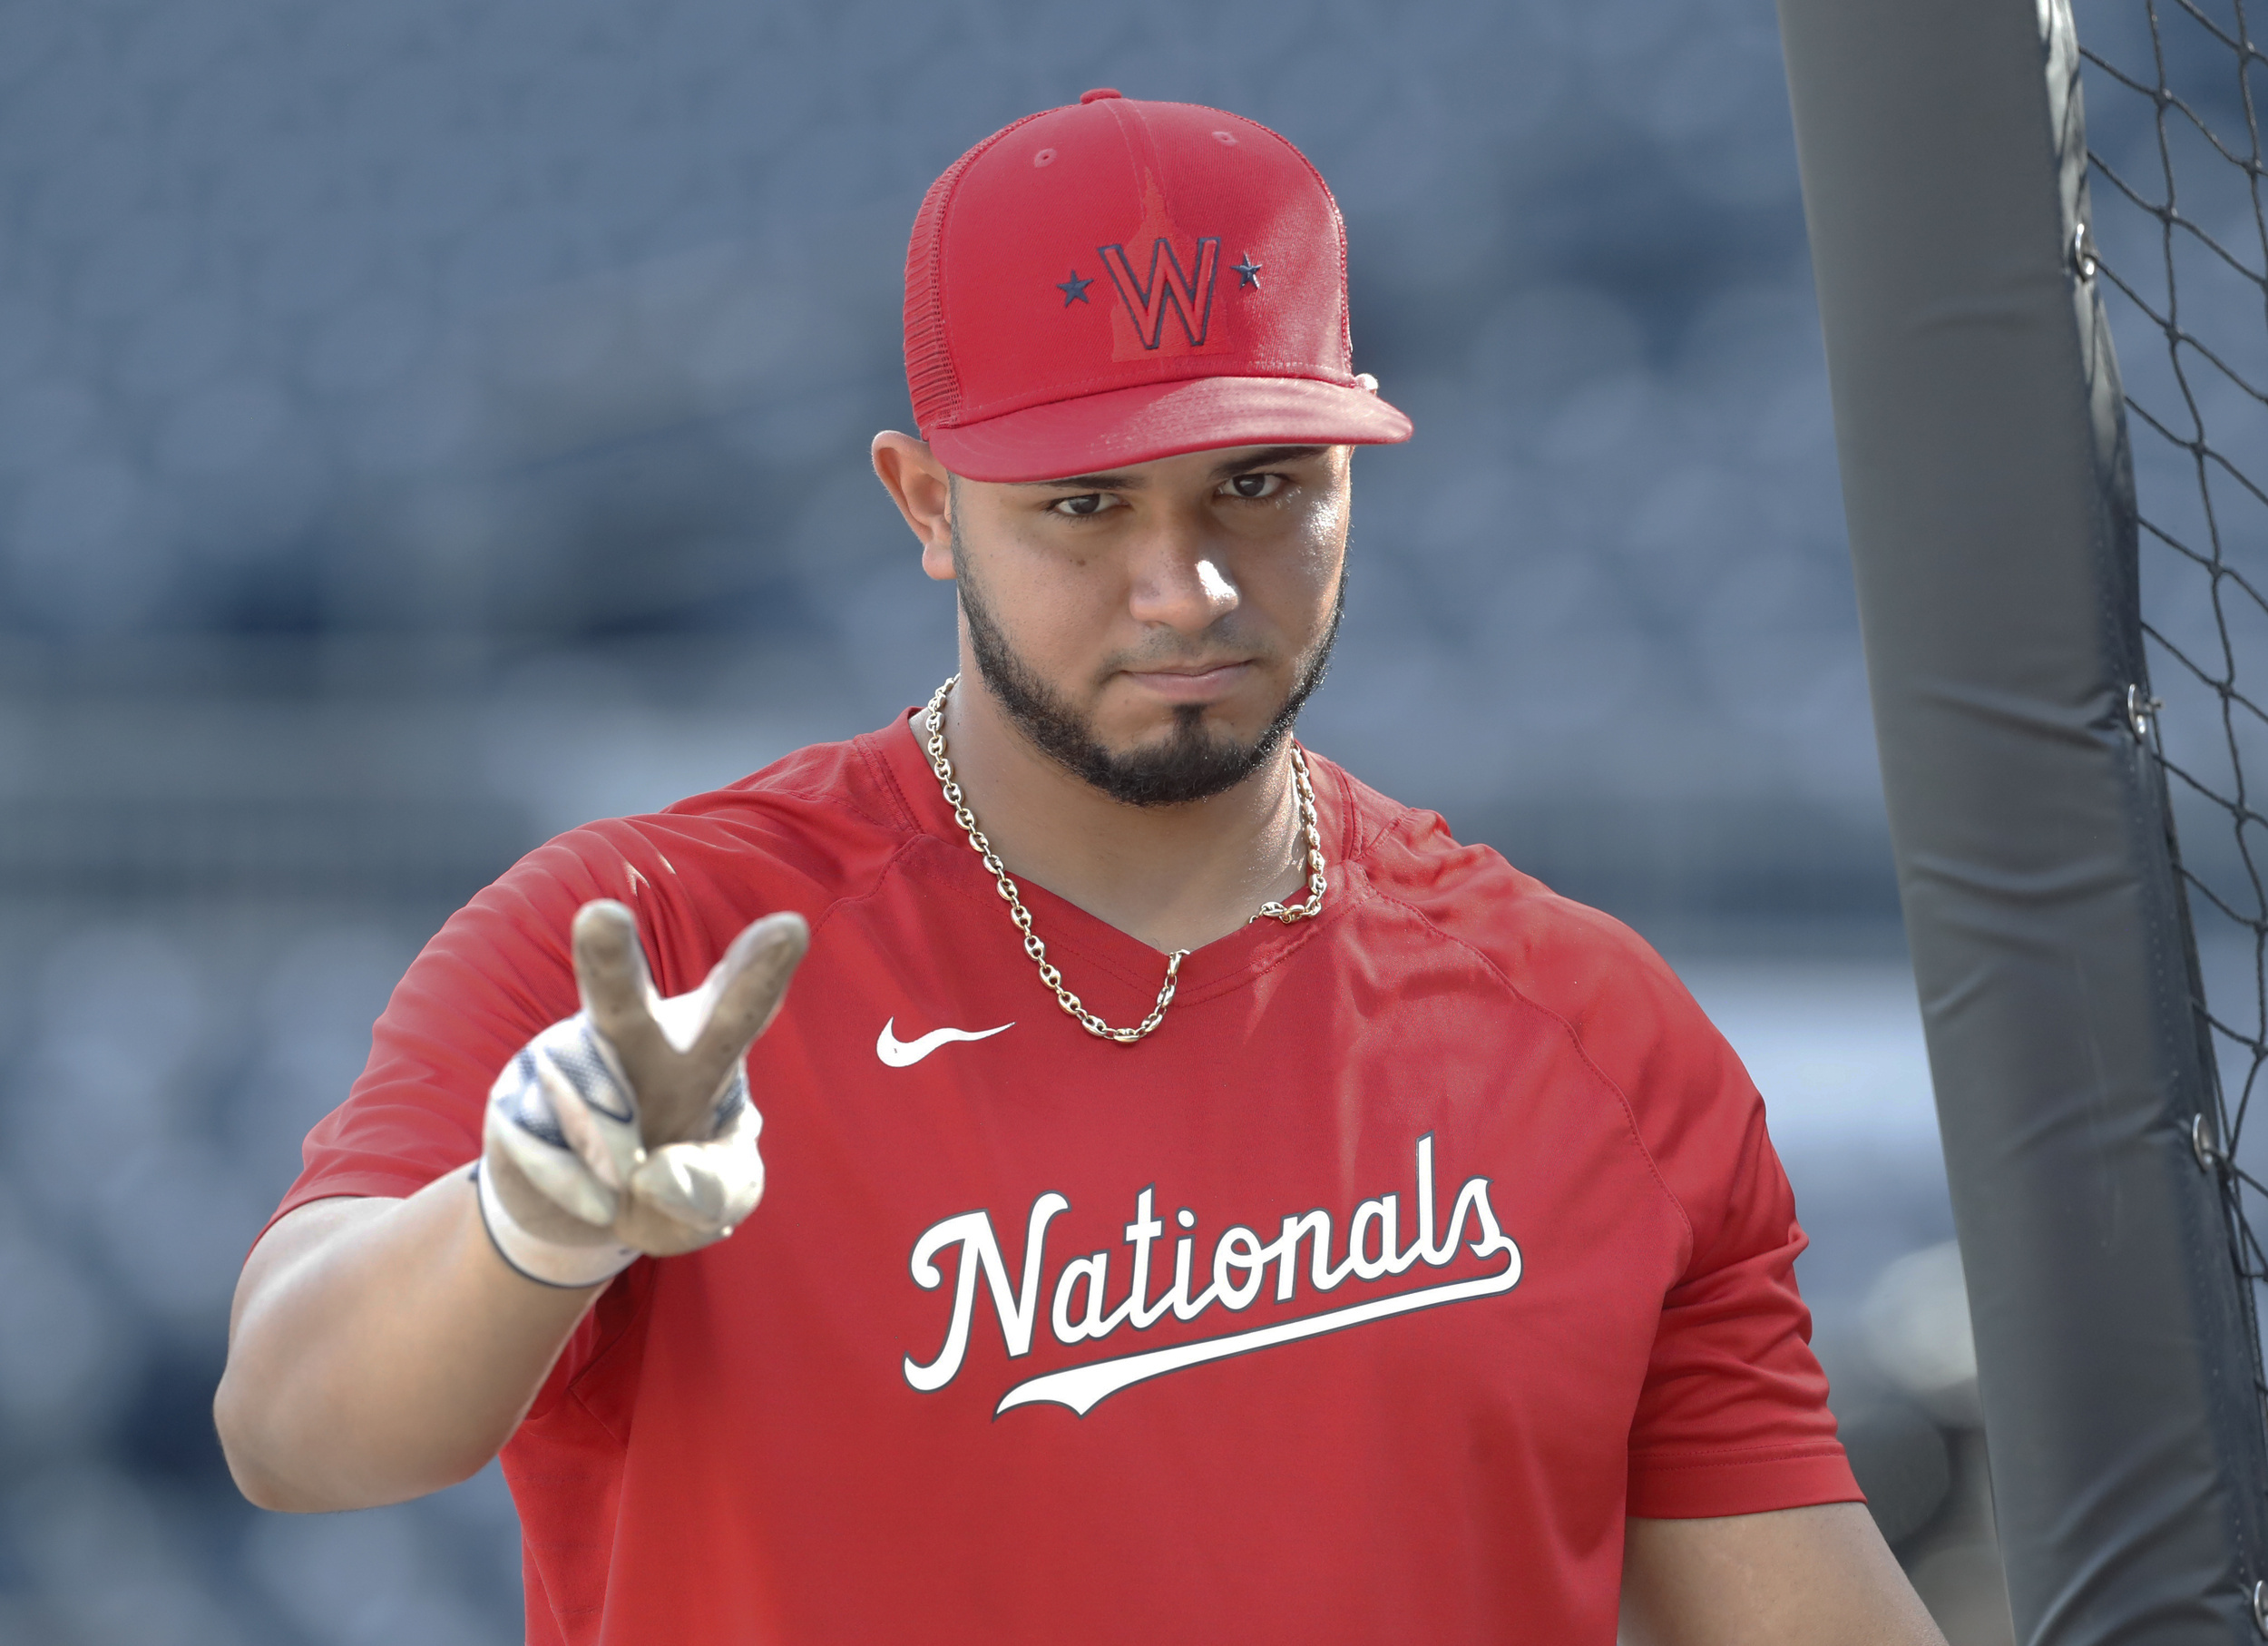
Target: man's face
(1156, 628)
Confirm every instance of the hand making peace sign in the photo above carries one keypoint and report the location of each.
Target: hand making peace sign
(627, 1129)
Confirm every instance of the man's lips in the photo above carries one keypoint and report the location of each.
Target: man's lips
(1182, 685)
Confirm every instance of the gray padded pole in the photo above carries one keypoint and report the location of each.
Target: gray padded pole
(1985, 479)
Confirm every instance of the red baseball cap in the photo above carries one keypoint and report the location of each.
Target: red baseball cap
(1118, 282)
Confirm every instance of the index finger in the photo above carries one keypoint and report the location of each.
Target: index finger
(610, 974)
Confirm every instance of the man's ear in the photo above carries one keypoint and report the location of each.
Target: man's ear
(922, 489)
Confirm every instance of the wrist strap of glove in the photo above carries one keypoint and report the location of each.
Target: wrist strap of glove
(547, 1262)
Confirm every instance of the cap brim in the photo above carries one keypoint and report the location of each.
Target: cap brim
(1125, 426)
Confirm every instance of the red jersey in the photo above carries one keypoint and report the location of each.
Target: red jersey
(1425, 1241)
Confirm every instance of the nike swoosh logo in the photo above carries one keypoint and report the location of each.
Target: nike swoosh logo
(904, 1053)
(1084, 1388)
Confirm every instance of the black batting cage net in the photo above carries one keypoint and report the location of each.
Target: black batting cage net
(2180, 244)
(2007, 200)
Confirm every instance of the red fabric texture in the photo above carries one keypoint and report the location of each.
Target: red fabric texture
(774, 1438)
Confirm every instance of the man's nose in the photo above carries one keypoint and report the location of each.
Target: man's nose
(1179, 579)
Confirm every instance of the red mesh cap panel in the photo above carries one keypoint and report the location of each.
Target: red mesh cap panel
(929, 377)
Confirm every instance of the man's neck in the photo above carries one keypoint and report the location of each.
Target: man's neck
(1174, 877)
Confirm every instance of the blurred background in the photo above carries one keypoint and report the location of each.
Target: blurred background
(424, 426)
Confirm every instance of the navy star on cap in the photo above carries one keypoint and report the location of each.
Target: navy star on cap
(1075, 289)
(1247, 271)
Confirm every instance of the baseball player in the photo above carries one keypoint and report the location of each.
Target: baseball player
(1200, 1201)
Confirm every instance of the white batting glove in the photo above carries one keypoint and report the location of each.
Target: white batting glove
(627, 1129)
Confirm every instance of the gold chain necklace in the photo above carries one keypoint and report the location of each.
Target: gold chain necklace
(933, 722)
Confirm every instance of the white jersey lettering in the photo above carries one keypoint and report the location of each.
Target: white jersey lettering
(980, 1248)
(1079, 1311)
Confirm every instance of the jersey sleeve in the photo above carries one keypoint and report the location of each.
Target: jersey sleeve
(495, 974)
(1732, 1415)
(1733, 1418)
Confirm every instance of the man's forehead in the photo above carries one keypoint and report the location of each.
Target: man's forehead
(1219, 463)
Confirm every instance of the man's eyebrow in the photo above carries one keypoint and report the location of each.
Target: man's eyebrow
(1133, 483)
(1266, 456)
(1089, 483)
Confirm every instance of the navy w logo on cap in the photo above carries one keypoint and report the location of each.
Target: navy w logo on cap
(1189, 295)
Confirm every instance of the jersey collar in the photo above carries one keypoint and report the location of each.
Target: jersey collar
(1079, 941)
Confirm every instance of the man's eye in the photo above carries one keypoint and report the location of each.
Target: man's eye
(1085, 503)
(1254, 485)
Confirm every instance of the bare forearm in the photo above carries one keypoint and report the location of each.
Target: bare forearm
(381, 1349)
(1817, 1576)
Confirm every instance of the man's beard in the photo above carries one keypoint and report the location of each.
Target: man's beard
(1192, 764)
